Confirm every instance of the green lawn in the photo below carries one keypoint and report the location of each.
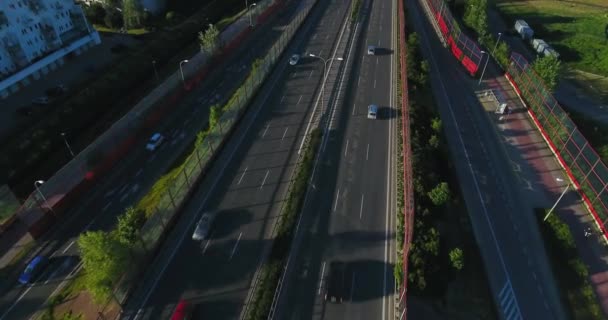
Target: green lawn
(574, 29)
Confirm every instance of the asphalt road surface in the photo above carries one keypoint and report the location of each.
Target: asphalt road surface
(349, 213)
(130, 180)
(247, 187)
(504, 226)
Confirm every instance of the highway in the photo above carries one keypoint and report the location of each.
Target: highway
(246, 186)
(504, 225)
(133, 176)
(349, 214)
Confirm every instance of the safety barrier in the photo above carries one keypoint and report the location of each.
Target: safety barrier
(462, 47)
(582, 164)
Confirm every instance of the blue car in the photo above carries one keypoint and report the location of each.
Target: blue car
(33, 269)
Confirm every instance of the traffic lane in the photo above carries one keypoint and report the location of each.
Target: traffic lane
(521, 217)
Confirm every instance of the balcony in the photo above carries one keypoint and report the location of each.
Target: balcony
(35, 5)
(3, 20)
(50, 36)
(15, 52)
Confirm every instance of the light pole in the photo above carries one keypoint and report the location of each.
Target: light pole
(181, 70)
(36, 184)
(497, 41)
(155, 71)
(325, 61)
(556, 202)
(67, 144)
(249, 12)
(484, 67)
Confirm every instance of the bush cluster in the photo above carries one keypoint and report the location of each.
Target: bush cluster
(573, 276)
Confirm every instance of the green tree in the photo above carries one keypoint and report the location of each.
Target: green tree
(436, 125)
(434, 141)
(103, 260)
(209, 40)
(549, 69)
(95, 13)
(502, 54)
(214, 116)
(457, 258)
(440, 195)
(129, 224)
(132, 13)
(113, 19)
(476, 18)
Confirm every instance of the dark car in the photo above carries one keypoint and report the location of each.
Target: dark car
(334, 291)
(56, 91)
(33, 269)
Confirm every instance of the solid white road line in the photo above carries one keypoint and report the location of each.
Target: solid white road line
(265, 130)
(124, 197)
(361, 208)
(241, 179)
(321, 278)
(206, 245)
(354, 108)
(311, 72)
(284, 133)
(106, 206)
(68, 247)
(282, 98)
(346, 149)
(235, 245)
(299, 100)
(367, 152)
(374, 83)
(266, 176)
(337, 197)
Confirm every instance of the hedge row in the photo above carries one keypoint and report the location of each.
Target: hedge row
(30, 154)
(572, 274)
(271, 270)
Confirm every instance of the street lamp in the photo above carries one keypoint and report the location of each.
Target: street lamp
(67, 144)
(181, 70)
(249, 12)
(155, 71)
(497, 40)
(36, 184)
(484, 67)
(325, 61)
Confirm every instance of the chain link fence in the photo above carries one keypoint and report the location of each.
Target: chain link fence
(462, 47)
(179, 186)
(582, 163)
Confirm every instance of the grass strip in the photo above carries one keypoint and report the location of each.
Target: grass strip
(571, 273)
(271, 270)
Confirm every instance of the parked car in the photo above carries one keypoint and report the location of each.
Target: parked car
(183, 311)
(155, 141)
(372, 111)
(201, 232)
(294, 59)
(335, 282)
(33, 269)
(56, 91)
(42, 100)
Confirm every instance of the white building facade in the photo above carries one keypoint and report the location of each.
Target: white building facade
(36, 36)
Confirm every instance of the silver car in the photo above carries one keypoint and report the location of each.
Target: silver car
(372, 111)
(294, 59)
(201, 232)
(371, 50)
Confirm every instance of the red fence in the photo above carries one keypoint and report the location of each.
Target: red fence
(408, 190)
(575, 154)
(462, 47)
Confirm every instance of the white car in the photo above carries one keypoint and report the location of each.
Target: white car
(372, 111)
(371, 50)
(294, 59)
(201, 232)
(155, 141)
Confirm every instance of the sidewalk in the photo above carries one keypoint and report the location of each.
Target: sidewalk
(16, 237)
(566, 92)
(541, 177)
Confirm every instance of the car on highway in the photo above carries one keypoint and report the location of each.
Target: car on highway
(33, 269)
(183, 311)
(334, 291)
(201, 232)
(372, 111)
(371, 50)
(155, 141)
(294, 59)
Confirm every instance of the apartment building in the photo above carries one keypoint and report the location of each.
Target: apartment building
(36, 36)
